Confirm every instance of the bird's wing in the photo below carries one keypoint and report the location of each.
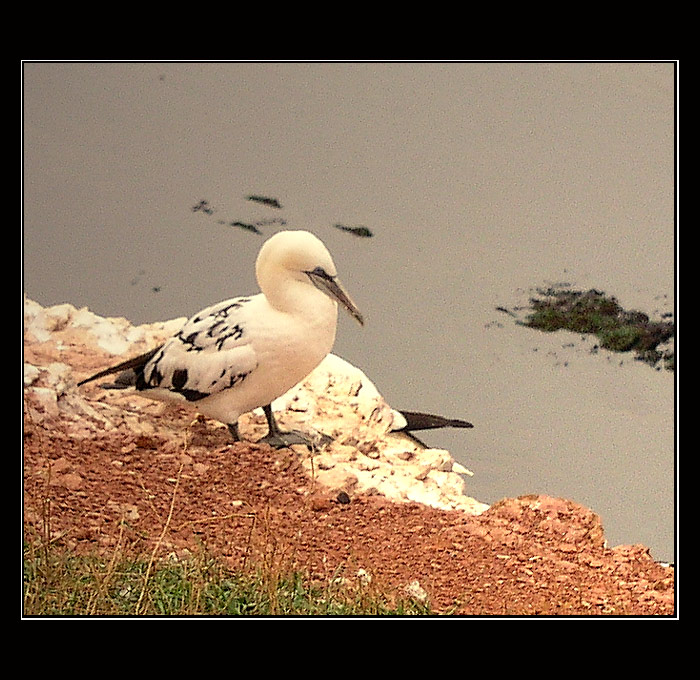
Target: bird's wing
(408, 422)
(414, 420)
(210, 353)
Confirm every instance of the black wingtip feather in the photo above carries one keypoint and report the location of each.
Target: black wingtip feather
(135, 363)
(426, 421)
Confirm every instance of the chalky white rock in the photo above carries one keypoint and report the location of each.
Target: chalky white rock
(243, 353)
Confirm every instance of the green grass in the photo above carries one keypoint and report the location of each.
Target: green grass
(59, 583)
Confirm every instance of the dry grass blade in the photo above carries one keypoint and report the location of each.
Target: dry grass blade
(166, 526)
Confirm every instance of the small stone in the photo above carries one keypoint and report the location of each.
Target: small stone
(71, 480)
(461, 470)
(320, 503)
(59, 466)
(31, 374)
(416, 592)
(364, 577)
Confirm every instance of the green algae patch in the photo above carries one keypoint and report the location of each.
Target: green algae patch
(594, 312)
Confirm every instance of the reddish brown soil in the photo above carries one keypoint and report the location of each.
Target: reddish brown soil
(242, 503)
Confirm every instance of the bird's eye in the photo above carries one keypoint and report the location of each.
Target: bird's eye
(321, 273)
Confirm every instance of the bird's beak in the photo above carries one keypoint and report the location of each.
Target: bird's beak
(334, 289)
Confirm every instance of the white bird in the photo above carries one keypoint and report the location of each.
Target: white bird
(243, 353)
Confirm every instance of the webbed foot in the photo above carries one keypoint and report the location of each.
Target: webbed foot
(279, 439)
(283, 440)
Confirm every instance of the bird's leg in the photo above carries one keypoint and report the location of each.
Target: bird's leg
(233, 429)
(278, 439)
